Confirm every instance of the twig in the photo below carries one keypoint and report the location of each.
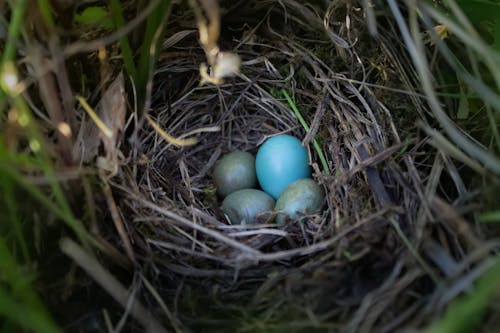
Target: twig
(50, 97)
(117, 220)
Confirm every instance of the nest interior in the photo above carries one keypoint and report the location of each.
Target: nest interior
(391, 224)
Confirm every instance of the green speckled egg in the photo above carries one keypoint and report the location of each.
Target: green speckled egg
(235, 171)
(244, 205)
(303, 195)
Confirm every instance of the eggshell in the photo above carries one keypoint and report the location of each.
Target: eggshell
(235, 171)
(244, 205)
(280, 161)
(303, 195)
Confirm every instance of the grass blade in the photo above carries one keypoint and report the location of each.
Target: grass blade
(18, 302)
(490, 217)
(25, 316)
(15, 223)
(464, 316)
(304, 124)
(14, 31)
(127, 54)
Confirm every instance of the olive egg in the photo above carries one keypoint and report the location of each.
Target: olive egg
(243, 206)
(234, 171)
(303, 195)
(280, 161)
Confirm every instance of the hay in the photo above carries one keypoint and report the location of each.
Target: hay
(392, 227)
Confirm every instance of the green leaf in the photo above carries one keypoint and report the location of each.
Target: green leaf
(95, 16)
(480, 10)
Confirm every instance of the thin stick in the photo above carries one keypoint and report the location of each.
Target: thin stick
(115, 215)
(173, 320)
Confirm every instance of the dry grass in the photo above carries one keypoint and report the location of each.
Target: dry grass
(393, 244)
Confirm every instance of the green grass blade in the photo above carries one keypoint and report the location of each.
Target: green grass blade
(473, 42)
(45, 201)
(46, 13)
(15, 26)
(304, 124)
(25, 316)
(127, 54)
(139, 63)
(155, 21)
(19, 282)
(18, 301)
(490, 217)
(465, 315)
(9, 51)
(12, 212)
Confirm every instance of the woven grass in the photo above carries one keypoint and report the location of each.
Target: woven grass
(394, 223)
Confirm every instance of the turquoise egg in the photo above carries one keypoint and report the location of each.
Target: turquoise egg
(303, 195)
(243, 206)
(234, 171)
(280, 161)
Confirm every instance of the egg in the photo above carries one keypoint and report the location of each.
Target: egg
(280, 161)
(234, 171)
(243, 206)
(303, 195)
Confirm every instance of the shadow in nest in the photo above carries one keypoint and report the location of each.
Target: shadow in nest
(371, 261)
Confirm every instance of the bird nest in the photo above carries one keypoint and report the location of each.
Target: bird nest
(370, 259)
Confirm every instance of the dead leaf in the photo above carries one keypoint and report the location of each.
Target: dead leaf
(110, 114)
(87, 143)
(112, 110)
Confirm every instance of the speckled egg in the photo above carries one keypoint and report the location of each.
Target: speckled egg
(235, 171)
(244, 205)
(303, 195)
(280, 161)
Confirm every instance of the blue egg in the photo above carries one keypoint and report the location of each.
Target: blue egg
(280, 161)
